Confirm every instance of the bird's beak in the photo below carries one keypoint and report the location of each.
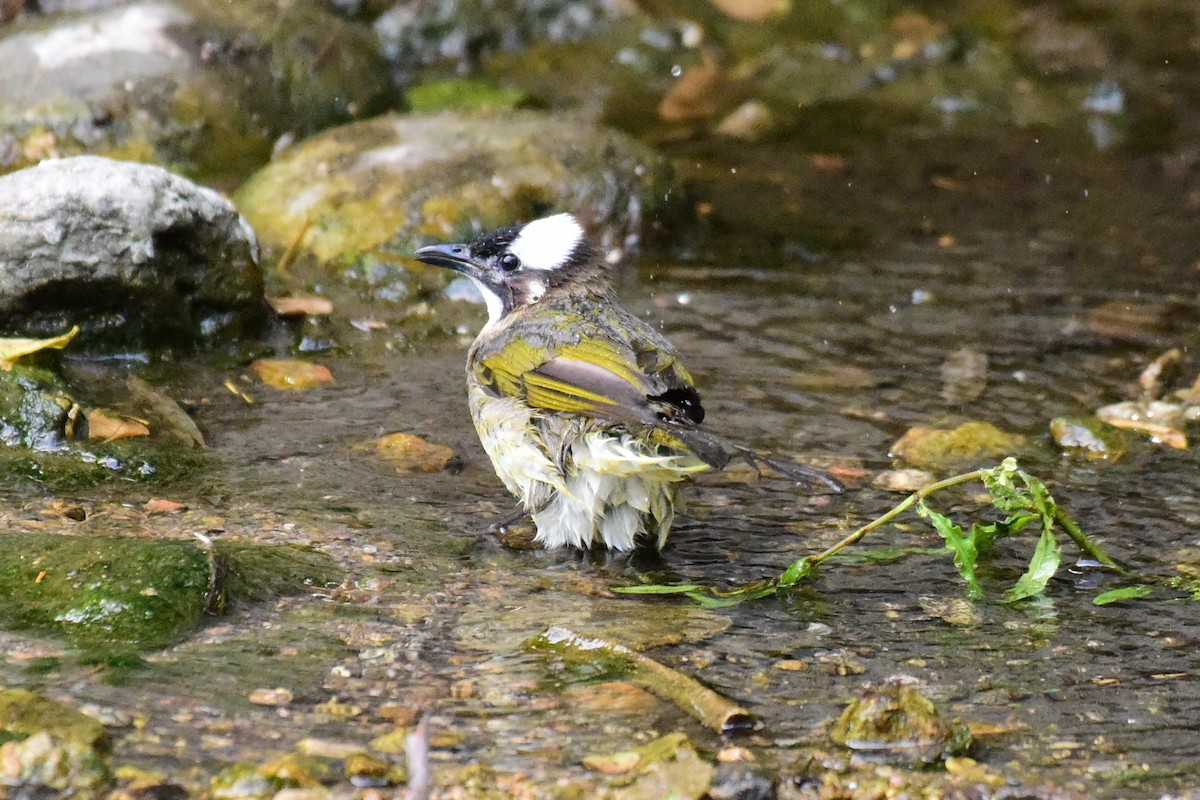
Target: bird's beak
(451, 256)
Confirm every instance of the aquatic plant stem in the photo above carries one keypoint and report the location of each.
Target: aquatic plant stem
(896, 511)
(1084, 542)
(714, 711)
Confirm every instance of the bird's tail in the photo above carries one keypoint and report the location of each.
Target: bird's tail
(718, 452)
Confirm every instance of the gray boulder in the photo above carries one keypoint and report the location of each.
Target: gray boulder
(205, 87)
(135, 256)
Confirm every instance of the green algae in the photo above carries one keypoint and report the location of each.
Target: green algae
(44, 742)
(463, 94)
(98, 463)
(900, 723)
(372, 191)
(111, 595)
(34, 403)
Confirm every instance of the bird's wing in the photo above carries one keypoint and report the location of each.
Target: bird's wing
(594, 377)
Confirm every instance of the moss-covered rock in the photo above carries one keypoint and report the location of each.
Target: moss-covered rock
(899, 723)
(34, 404)
(108, 593)
(204, 86)
(360, 198)
(934, 448)
(43, 742)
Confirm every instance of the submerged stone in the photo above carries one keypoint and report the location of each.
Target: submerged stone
(202, 85)
(898, 723)
(43, 742)
(934, 448)
(1089, 437)
(361, 198)
(135, 256)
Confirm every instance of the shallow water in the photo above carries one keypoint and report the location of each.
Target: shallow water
(816, 307)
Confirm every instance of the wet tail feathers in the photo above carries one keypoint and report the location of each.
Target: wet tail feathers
(718, 452)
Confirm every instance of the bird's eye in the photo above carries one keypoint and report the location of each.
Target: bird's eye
(509, 262)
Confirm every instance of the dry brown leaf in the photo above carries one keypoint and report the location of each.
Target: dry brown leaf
(412, 453)
(291, 374)
(107, 426)
(301, 306)
(158, 505)
(12, 349)
(1168, 436)
(1191, 395)
(753, 10)
(1158, 419)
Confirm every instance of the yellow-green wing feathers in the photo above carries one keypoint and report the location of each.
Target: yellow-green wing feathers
(591, 376)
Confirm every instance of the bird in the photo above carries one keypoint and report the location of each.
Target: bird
(587, 413)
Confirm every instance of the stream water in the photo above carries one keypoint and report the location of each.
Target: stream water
(817, 301)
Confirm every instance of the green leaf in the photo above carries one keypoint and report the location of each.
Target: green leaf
(1042, 566)
(713, 598)
(965, 552)
(800, 570)
(1042, 502)
(1002, 484)
(984, 536)
(1126, 593)
(658, 588)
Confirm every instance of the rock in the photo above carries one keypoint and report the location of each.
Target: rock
(461, 34)
(740, 780)
(135, 256)
(112, 594)
(46, 743)
(898, 723)
(410, 453)
(204, 86)
(1089, 437)
(933, 448)
(384, 186)
(34, 404)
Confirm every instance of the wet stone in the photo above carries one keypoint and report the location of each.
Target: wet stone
(897, 723)
(1089, 437)
(46, 743)
(34, 404)
(201, 85)
(371, 192)
(135, 256)
(931, 448)
(110, 593)
(742, 781)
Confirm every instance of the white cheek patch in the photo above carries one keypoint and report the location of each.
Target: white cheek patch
(546, 244)
(495, 306)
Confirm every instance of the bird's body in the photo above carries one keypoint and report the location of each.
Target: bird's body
(585, 411)
(583, 477)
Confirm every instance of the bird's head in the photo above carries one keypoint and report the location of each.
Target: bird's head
(521, 265)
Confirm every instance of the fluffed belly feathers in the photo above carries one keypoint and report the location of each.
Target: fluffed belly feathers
(581, 481)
